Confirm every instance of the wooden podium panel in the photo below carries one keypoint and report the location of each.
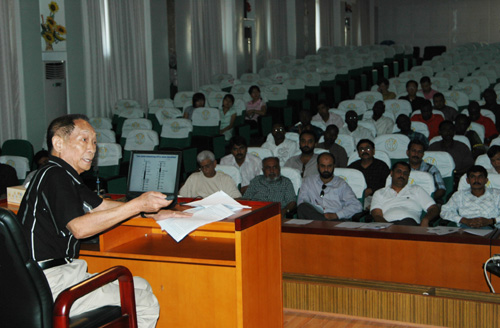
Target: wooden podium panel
(224, 274)
(399, 254)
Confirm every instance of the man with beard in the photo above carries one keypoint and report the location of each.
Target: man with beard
(353, 129)
(324, 196)
(477, 207)
(402, 203)
(249, 165)
(280, 146)
(374, 170)
(331, 134)
(272, 187)
(415, 153)
(305, 162)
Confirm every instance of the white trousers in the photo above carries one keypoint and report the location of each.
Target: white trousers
(64, 276)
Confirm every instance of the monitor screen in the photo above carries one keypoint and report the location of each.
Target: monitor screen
(154, 171)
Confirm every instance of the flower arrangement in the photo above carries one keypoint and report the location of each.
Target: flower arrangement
(51, 31)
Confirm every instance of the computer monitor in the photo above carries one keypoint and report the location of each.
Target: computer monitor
(154, 171)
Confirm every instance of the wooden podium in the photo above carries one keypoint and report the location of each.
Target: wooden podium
(224, 274)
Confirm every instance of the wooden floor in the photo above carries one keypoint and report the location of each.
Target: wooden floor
(310, 319)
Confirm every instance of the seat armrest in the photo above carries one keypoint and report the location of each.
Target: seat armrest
(66, 299)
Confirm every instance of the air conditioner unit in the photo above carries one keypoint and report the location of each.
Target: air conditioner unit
(56, 103)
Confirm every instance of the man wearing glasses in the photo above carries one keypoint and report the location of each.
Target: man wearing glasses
(402, 203)
(324, 196)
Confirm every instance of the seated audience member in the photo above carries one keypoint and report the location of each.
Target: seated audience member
(305, 162)
(8, 178)
(490, 130)
(490, 99)
(415, 155)
(402, 203)
(255, 108)
(462, 123)
(494, 156)
(462, 156)
(374, 170)
(383, 124)
(477, 207)
(326, 117)
(280, 146)
(272, 187)
(449, 113)
(198, 101)
(403, 123)
(41, 158)
(249, 165)
(324, 196)
(227, 116)
(383, 88)
(353, 129)
(431, 120)
(415, 101)
(331, 134)
(208, 181)
(305, 125)
(425, 83)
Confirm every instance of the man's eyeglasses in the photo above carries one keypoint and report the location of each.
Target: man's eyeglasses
(323, 187)
(365, 149)
(278, 129)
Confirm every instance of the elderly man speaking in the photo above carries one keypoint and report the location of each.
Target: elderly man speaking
(58, 210)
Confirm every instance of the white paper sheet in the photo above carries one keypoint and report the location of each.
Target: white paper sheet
(219, 197)
(299, 221)
(179, 228)
(478, 232)
(350, 225)
(442, 230)
(376, 225)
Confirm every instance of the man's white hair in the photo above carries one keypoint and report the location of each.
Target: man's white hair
(204, 155)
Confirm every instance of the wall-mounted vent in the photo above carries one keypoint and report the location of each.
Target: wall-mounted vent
(55, 70)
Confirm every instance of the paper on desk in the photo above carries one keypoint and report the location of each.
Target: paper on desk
(441, 230)
(478, 232)
(349, 224)
(179, 228)
(299, 221)
(219, 197)
(376, 225)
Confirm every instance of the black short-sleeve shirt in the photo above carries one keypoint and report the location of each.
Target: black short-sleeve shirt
(55, 196)
(375, 174)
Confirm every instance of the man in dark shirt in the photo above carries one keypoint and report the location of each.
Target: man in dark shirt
(331, 134)
(415, 101)
(462, 123)
(490, 99)
(305, 125)
(450, 113)
(374, 170)
(58, 210)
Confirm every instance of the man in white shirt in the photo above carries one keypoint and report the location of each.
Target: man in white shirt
(249, 165)
(208, 181)
(326, 117)
(280, 146)
(477, 207)
(353, 129)
(383, 124)
(401, 203)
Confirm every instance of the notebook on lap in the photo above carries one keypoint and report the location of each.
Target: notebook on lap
(154, 171)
